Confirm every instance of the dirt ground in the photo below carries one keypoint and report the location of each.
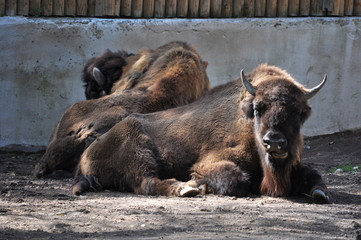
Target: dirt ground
(33, 208)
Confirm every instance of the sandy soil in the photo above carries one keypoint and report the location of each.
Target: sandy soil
(33, 208)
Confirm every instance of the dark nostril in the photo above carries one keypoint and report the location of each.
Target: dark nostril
(267, 142)
(274, 144)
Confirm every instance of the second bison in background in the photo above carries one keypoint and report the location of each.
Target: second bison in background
(173, 76)
(117, 71)
(239, 138)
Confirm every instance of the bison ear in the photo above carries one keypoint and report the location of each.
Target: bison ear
(306, 113)
(247, 108)
(205, 64)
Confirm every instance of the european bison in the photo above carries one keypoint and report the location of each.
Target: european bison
(102, 74)
(234, 140)
(177, 77)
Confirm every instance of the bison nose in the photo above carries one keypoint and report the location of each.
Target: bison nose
(274, 142)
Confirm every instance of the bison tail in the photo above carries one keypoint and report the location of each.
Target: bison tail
(86, 184)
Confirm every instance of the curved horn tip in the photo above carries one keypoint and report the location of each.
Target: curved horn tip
(325, 78)
(98, 76)
(249, 87)
(95, 69)
(312, 92)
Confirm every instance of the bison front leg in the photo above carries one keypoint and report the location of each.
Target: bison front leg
(149, 186)
(167, 187)
(223, 177)
(308, 181)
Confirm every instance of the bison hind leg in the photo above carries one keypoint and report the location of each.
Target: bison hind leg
(85, 184)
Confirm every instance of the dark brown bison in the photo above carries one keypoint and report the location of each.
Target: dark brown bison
(102, 72)
(177, 77)
(234, 140)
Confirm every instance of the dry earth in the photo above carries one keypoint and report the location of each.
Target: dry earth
(33, 208)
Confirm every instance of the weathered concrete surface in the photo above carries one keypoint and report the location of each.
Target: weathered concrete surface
(41, 62)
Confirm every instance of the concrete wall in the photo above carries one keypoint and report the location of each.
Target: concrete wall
(41, 62)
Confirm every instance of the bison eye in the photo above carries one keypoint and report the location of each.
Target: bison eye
(257, 109)
(257, 113)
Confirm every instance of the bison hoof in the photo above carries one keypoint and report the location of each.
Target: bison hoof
(189, 192)
(76, 190)
(40, 170)
(319, 196)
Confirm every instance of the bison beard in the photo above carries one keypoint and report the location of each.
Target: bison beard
(234, 140)
(170, 76)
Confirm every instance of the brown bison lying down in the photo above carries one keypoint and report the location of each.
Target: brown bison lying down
(232, 141)
(170, 76)
(102, 72)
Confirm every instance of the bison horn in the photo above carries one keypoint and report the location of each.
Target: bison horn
(98, 76)
(247, 84)
(313, 91)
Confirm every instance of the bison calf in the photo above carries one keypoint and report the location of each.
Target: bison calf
(239, 138)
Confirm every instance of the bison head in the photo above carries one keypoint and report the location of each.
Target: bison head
(100, 73)
(278, 106)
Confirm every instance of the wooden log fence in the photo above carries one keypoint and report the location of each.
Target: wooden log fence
(180, 8)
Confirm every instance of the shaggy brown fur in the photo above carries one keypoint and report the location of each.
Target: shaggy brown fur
(216, 141)
(122, 70)
(146, 57)
(176, 77)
